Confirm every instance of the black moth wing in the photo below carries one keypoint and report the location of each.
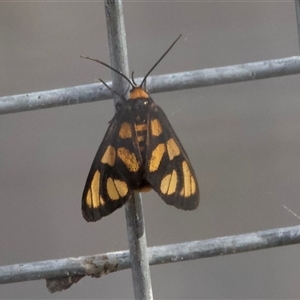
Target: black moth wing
(110, 183)
(168, 168)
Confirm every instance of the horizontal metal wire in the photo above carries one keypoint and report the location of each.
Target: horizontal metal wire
(73, 269)
(155, 84)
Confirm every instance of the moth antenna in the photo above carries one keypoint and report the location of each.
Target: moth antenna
(132, 78)
(114, 92)
(144, 80)
(110, 67)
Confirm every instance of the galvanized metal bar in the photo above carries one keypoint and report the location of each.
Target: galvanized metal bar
(134, 211)
(155, 84)
(117, 46)
(101, 264)
(136, 232)
(297, 6)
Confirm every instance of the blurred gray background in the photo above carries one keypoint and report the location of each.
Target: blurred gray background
(243, 140)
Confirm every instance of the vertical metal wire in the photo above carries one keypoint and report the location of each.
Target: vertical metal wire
(134, 210)
(138, 248)
(297, 5)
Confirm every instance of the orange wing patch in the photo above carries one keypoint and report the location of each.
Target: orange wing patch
(116, 189)
(156, 128)
(125, 131)
(189, 186)
(109, 156)
(129, 159)
(169, 183)
(93, 199)
(156, 157)
(172, 148)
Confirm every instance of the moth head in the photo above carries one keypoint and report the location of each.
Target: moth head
(137, 91)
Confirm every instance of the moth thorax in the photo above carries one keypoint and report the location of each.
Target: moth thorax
(140, 110)
(137, 93)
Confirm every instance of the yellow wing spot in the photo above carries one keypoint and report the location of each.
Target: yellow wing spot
(111, 189)
(129, 159)
(156, 128)
(89, 200)
(138, 92)
(116, 188)
(193, 185)
(109, 156)
(169, 183)
(95, 189)
(172, 148)
(122, 187)
(156, 157)
(93, 198)
(125, 131)
(189, 184)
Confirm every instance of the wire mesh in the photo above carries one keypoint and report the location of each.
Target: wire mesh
(98, 265)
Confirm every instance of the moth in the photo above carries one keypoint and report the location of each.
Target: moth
(139, 152)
